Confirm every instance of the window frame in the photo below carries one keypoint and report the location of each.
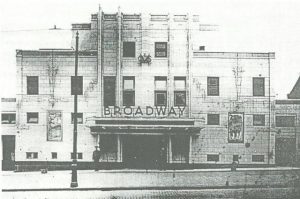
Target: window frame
(79, 156)
(9, 119)
(209, 86)
(212, 158)
(285, 116)
(130, 92)
(179, 91)
(254, 91)
(158, 91)
(158, 49)
(107, 89)
(53, 155)
(32, 155)
(256, 116)
(209, 120)
(129, 55)
(257, 158)
(32, 85)
(28, 117)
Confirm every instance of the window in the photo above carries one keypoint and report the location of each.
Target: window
(285, 121)
(258, 120)
(161, 49)
(235, 158)
(213, 119)
(8, 118)
(109, 91)
(76, 85)
(213, 86)
(31, 155)
(79, 155)
(258, 86)
(214, 158)
(128, 49)
(32, 85)
(54, 155)
(108, 143)
(258, 158)
(128, 91)
(33, 117)
(79, 118)
(160, 92)
(179, 91)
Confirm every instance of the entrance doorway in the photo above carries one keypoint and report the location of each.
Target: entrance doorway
(8, 150)
(144, 151)
(285, 151)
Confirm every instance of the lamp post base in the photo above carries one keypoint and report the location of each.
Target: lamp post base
(74, 184)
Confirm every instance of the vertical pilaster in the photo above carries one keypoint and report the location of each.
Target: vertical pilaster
(119, 61)
(100, 63)
(169, 78)
(119, 152)
(190, 149)
(170, 150)
(188, 70)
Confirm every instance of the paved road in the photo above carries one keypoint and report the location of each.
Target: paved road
(265, 193)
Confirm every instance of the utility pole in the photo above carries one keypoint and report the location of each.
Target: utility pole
(75, 89)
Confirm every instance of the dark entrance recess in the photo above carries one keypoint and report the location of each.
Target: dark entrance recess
(145, 151)
(285, 151)
(8, 150)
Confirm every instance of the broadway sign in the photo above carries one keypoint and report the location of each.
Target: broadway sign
(148, 111)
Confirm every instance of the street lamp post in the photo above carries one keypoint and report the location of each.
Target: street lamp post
(74, 182)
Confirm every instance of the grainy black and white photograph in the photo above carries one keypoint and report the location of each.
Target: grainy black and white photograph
(150, 99)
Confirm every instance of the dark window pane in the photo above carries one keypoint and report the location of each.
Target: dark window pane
(214, 158)
(128, 98)
(33, 117)
(79, 155)
(161, 49)
(128, 49)
(258, 86)
(108, 143)
(54, 155)
(79, 118)
(179, 98)
(285, 121)
(235, 158)
(76, 85)
(258, 120)
(160, 98)
(258, 158)
(8, 118)
(109, 91)
(31, 155)
(213, 86)
(32, 85)
(213, 119)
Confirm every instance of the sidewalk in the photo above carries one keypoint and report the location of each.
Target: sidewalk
(151, 179)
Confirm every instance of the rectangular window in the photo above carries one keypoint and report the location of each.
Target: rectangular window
(108, 143)
(128, 49)
(258, 120)
(213, 119)
(76, 85)
(235, 158)
(213, 86)
(258, 158)
(32, 85)
(161, 49)
(79, 118)
(8, 118)
(214, 158)
(33, 117)
(128, 91)
(54, 155)
(285, 121)
(31, 155)
(79, 155)
(258, 86)
(160, 92)
(179, 91)
(109, 91)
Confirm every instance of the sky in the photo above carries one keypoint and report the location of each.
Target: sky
(243, 26)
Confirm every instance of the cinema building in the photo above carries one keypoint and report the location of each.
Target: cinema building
(151, 96)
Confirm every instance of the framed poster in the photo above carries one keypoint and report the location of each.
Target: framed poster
(54, 126)
(235, 127)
